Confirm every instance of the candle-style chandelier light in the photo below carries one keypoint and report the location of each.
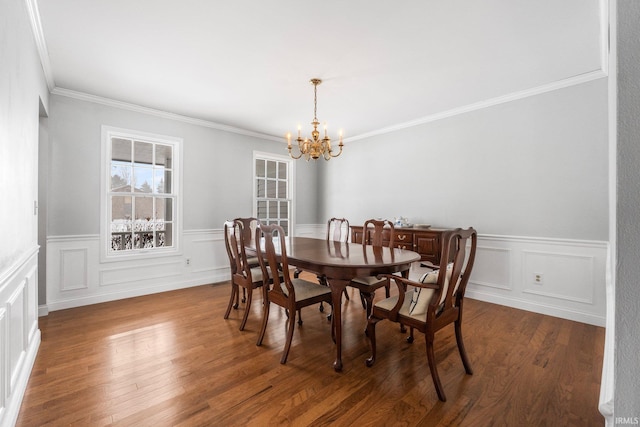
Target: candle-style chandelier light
(315, 147)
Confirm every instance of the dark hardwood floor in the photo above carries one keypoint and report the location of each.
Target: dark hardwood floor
(171, 359)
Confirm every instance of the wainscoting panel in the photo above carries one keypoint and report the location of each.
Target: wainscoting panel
(76, 277)
(571, 273)
(19, 333)
(562, 278)
(73, 269)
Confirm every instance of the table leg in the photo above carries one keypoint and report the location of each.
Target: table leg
(337, 288)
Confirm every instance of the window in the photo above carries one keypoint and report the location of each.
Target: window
(273, 201)
(141, 192)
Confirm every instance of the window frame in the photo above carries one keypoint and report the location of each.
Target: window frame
(106, 254)
(259, 155)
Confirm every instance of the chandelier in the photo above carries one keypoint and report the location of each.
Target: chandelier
(315, 147)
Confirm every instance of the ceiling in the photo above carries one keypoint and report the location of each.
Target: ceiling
(247, 64)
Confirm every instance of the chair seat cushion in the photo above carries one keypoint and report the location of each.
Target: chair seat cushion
(389, 303)
(370, 281)
(307, 290)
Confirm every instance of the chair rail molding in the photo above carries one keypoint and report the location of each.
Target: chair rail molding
(573, 272)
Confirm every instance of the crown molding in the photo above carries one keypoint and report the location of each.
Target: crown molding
(36, 26)
(41, 44)
(82, 96)
(571, 81)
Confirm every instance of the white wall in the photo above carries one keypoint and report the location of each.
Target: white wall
(627, 289)
(531, 175)
(22, 90)
(531, 167)
(217, 185)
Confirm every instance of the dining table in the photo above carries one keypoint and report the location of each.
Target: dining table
(339, 262)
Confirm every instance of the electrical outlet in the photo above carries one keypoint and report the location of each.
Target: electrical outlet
(538, 278)
(188, 261)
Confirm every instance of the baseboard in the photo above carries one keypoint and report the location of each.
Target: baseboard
(549, 310)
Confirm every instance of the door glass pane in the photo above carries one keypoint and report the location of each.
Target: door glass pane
(262, 209)
(260, 189)
(282, 189)
(273, 209)
(271, 169)
(260, 168)
(271, 189)
(284, 210)
(282, 170)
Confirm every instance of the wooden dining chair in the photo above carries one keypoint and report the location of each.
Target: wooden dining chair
(377, 233)
(243, 275)
(337, 231)
(433, 302)
(290, 293)
(249, 226)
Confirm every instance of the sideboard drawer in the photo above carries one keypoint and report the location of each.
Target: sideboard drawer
(425, 241)
(404, 237)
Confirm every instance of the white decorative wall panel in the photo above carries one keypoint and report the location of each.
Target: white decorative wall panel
(573, 272)
(73, 269)
(19, 333)
(572, 276)
(566, 276)
(74, 260)
(17, 337)
(485, 272)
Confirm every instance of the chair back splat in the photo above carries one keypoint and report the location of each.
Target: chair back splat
(377, 233)
(433, 302)
(338, 229)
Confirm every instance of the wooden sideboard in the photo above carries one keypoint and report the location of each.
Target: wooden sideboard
(425, 241)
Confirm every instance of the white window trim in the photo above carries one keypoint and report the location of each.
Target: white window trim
(106, 255)
(291, 181)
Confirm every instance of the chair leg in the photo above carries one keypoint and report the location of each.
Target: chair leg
(346, 295)
(299, 317)
(368, 299)
(461, 349)
(265, 319)
(291, 325)
(364, 304)
(371, 333)
(410, 337)
(323, 281)
(387, 289)
(432, 367)
(234, 290)
(247, 307)
(244, 295)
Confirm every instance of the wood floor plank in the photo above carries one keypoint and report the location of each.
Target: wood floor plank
(170, 359)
